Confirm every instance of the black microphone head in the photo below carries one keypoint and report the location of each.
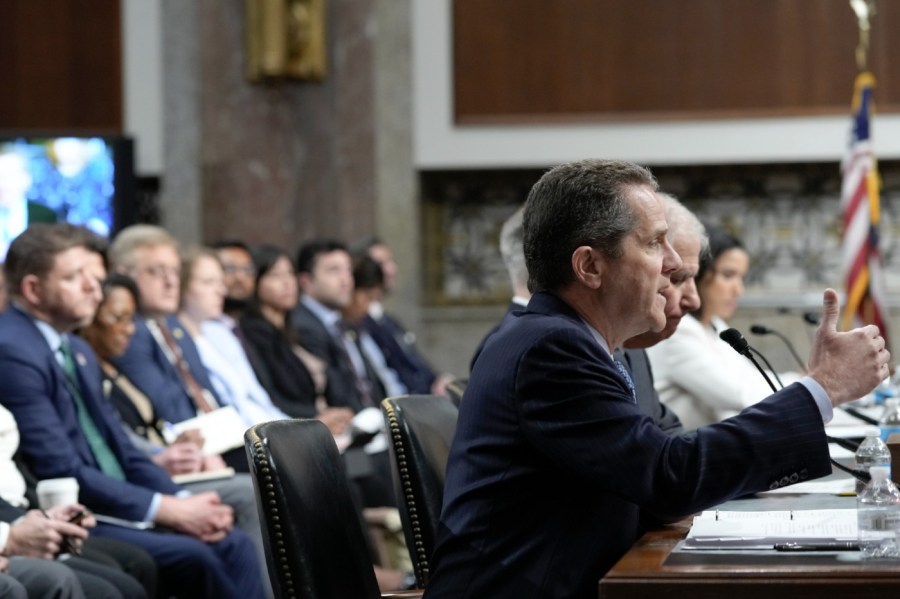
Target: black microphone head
(758, 329)
(811, 318)
(734, 338)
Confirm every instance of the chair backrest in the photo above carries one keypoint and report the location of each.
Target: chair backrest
(313, 535)
(421, 429)
(455, 390)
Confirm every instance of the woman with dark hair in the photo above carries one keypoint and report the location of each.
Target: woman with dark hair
(294, 378)
(699, 376)
(109, 335)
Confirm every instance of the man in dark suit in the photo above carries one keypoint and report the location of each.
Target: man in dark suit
(160, 346)
(397, 343)
(553, 463)
(325, 275)
(688, 238)
(53, 388)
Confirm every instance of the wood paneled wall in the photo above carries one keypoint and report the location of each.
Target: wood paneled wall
(534, 60)
(60, 65)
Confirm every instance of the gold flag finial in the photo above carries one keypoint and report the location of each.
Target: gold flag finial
(864, 10)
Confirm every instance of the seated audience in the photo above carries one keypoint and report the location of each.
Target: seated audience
(699, 376)
(109, 334)
(397, 344)
(162, 359)
(368, 287)
(101, 566)
(232, 376)
(325, 274)
(53, 389)
(294, 378)
(240, 275)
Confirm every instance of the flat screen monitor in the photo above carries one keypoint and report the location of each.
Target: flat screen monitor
(85, 180)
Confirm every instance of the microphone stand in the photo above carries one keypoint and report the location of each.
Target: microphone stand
(769, 366)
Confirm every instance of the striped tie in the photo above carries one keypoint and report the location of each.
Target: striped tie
(628, 380)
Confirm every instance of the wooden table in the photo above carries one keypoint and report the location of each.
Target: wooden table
(650, 570)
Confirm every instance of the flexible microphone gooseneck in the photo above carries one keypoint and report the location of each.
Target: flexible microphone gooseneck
(857, 414)
(738, 343)
(759, 329)
(768, 365)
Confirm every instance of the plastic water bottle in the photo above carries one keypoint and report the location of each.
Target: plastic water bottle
(878, 516)
(871, 452)
(889, 423)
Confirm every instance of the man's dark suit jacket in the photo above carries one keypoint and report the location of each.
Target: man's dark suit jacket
(52, 443)
(341, 390)
(648, 399)
(553, 463)
(400, 354)
(511, 309)
(147, 367)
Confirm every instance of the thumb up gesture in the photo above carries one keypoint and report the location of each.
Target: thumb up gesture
(847, 365)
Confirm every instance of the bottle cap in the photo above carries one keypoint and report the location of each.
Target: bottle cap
(880, 472)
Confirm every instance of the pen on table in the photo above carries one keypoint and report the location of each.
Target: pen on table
(831, 546)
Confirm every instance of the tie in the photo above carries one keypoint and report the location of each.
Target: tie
(628, 380)
(106, 459)
(194, 389)
(346, 339)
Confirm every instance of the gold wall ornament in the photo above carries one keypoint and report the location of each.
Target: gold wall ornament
(285, 39)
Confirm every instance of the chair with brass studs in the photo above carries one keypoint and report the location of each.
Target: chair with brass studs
(314, 538)
(421, 429)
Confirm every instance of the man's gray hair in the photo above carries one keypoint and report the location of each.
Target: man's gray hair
(512, 250)
(683, 223)
(124, 247)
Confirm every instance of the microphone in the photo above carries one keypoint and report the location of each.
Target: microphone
(736, 340)
(811, 318)
(739, 344)
(759, 329)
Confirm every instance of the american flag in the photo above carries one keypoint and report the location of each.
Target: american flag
(861, 260)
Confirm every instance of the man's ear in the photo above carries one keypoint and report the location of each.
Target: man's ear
(588, 264)
(31, 290)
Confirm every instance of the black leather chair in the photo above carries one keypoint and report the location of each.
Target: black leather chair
(421, 428)
(455, 390)
(314, 540)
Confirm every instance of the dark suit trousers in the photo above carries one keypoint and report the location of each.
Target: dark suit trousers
(190, 568)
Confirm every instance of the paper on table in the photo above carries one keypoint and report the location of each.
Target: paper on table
(761, 530)
(222, 429)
